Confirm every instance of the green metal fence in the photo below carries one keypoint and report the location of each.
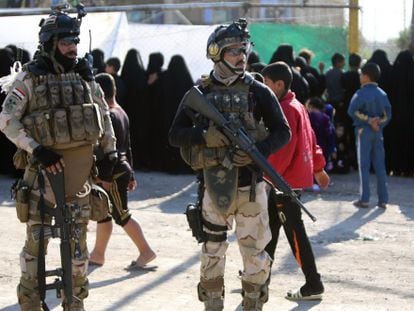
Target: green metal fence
(323, 41)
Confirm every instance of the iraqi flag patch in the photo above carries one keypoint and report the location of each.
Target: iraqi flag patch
(18, 93)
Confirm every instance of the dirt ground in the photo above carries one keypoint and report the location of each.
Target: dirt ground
(365, 256)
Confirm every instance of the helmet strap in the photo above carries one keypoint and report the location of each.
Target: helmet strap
(233, 69)
(58, 67)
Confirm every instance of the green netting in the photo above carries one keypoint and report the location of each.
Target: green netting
(323, 41)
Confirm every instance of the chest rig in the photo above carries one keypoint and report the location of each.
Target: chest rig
(237, 106)
(220, 176)
(61, 113)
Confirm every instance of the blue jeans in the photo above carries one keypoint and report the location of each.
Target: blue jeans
(370, 149)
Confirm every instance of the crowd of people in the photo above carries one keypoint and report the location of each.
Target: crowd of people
(151, 95)
(331, 92)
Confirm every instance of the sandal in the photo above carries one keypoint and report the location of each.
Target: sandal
(297, 295)
(134, 266)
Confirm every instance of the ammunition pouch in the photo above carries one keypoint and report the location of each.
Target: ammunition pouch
(236, 106)
(65, 125)
(20, 159)
(21, 193)
(100, 203)
(200, 156)
(196, 223)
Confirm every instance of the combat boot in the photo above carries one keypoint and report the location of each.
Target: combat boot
(254, 296)
(29, 299)
(74, 306)
(211, 292)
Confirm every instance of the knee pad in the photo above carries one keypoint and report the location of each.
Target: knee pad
(28, 266)
(210, 289)
(79, 269)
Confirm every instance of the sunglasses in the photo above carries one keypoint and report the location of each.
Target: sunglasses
(237, 51)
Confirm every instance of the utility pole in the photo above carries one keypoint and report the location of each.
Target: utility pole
(411, 45)
(353, 34)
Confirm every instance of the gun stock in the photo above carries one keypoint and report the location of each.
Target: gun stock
(240, 139)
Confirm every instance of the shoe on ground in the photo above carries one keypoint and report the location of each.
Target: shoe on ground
(360, 204)
(306, 292)
(382, 205)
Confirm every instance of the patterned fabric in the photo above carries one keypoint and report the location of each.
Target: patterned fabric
(252, 232)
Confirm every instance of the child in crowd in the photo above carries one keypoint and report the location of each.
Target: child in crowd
(370, 110)
(323, 128)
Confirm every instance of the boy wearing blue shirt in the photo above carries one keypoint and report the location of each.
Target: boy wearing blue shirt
(370, 111)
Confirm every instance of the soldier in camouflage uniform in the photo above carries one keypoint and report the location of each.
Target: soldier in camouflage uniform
(55, 113)
(233, 187)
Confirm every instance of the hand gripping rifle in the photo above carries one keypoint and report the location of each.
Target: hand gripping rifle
(62, 228)
(240, 139)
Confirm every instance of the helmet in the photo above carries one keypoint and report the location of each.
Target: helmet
(225, 35)
(59, 23)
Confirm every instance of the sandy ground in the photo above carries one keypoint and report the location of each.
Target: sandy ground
(366, 257)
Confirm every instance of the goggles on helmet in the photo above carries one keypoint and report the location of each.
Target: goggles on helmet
(236, 51)
(69, 40)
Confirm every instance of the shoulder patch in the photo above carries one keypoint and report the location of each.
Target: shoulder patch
(18, 93)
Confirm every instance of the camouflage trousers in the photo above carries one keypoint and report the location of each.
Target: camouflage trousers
(252, 232)
(78, 163)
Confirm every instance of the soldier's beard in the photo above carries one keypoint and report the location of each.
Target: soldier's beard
(66, 62)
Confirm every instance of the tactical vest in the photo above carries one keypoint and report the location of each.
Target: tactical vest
(61, 113)
(237, 106)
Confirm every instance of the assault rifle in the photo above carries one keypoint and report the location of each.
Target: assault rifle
(240, 139)
(62, 228)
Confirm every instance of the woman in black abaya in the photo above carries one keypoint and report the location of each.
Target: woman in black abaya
(156, 100)
(178, 81)
(136, 107)
(401, 125)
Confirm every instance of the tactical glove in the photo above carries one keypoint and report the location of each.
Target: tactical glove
(46, 157)
(214, 138)
(241, 158)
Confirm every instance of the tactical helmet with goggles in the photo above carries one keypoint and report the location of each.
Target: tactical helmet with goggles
(61, 25)
(227, 35)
